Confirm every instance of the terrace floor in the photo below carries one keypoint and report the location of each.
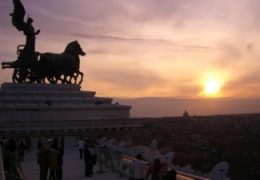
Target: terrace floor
(73, 167)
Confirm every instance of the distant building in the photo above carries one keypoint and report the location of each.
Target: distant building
(185, 114)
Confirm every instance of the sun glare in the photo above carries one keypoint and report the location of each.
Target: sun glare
(212, 87)
(212, 84)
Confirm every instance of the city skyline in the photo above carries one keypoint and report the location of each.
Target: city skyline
(135, 49)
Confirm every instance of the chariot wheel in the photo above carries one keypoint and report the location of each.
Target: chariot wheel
(23, 75)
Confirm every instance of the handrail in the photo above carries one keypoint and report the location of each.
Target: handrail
(191, 176)
(178, 172)
(131, 159)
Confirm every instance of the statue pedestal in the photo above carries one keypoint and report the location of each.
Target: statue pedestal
(57, 104)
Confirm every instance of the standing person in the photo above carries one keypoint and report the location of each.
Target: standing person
(88, 161)
(28, 144)
(93, 154)
(43, 162)
(39, 144)
(62, 143)
(60, 160)
(80, 148)
(156, 170)
(170, 175)
(10, 152)
(53, 161)
(139, 168)
(21, 148)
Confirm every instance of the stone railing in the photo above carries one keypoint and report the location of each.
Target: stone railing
(123, 164)
(65, 127)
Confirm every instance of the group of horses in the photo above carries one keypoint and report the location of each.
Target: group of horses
(49, 67)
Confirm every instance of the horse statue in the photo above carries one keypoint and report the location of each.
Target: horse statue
(61, 68)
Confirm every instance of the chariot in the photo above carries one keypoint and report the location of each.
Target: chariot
(35, 67)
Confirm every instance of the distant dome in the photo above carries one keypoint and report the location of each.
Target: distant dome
(185, 114)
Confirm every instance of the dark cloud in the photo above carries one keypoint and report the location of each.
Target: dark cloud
(251, 77)
(150, 41)
(250, 47)
(245, 84)
(188, 90)
(237, 53)
(99, 50)
(232, 51)
(117, 38)
(154, 10)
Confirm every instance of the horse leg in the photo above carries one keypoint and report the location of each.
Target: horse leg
(51, 79)
(63, 79)
(68, 79)
(81, 77)
(75, 77)
(54, 80)
(72, 79)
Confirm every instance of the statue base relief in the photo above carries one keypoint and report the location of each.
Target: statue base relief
(57, 106)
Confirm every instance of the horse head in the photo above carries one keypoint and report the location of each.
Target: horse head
(74, 48)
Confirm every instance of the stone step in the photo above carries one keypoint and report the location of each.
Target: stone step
(54, 99)
(56, 102)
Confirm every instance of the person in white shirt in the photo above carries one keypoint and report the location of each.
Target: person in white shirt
(80, 147)
(139, 168)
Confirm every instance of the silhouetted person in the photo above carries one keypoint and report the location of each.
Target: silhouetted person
(11, 161)
(93, 158)
(60, 160)
(62, 143)
(156, 170)
(43, 162)
(88, 161)
(39, 144)
(53, 160)
(170, 175)
(21, 149)
(28, 143)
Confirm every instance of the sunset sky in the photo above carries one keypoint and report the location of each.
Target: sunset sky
(150, 48)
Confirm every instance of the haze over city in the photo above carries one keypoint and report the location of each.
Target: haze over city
(161, 57)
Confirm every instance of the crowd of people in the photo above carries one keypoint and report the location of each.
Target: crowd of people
(138, 163)
(50, 152)
(50, 158)
(89, 151)
(13, 152)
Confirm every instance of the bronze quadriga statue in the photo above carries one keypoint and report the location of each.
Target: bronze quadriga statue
(35, 67)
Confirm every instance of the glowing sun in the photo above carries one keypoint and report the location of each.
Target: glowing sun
(212, 88)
